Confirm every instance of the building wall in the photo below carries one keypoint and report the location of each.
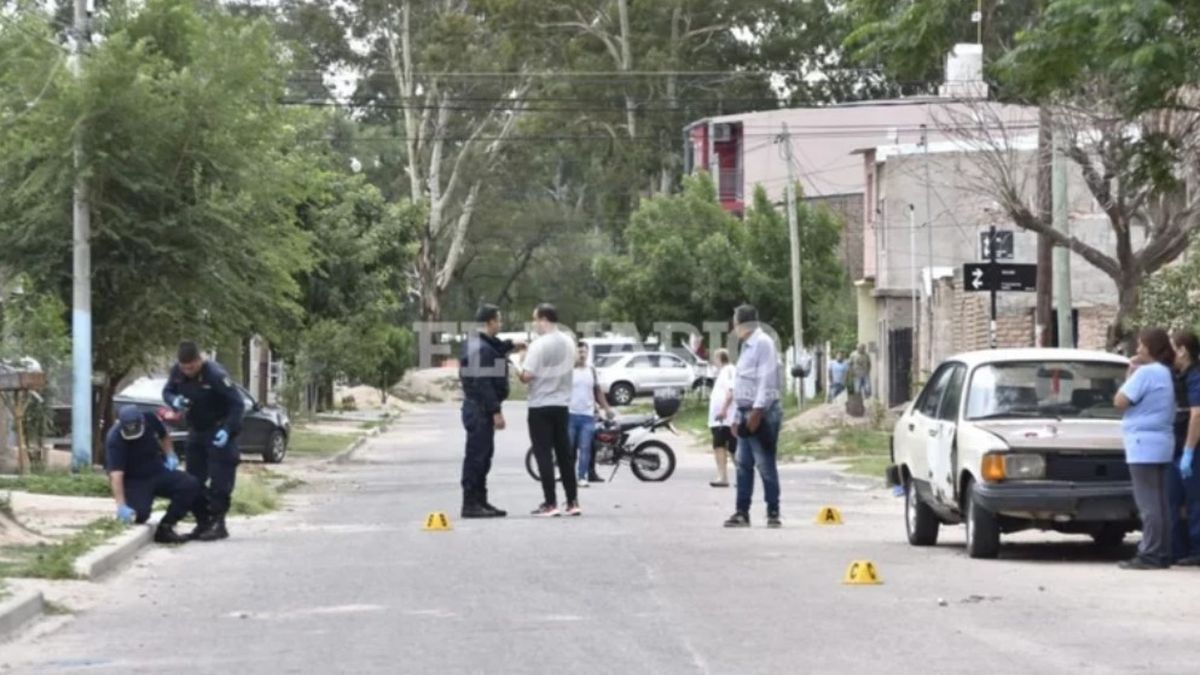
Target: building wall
(848, 208)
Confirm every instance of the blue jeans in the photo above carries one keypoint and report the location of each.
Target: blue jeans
(1184, 494)
(759, 451)
(862, 385)
(582, 428)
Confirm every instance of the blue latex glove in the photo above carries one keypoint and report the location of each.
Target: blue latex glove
(179, 402)
(125, 514)
(1187, 462)
(171, 462)
(220, 438)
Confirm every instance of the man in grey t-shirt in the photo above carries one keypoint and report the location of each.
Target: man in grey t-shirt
(547, 370)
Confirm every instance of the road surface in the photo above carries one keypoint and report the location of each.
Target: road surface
(647, 581)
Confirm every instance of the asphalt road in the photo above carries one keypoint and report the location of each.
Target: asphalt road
(646, 581)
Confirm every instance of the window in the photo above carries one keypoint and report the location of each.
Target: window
(1051, 389)
(642, 361)
(953, 395)
(668, 361)
(931, 399)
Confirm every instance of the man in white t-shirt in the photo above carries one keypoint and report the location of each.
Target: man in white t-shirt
(585, 396)
(720, 409)
(548, 370)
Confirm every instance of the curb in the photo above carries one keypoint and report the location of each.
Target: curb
(346, 455)
(18, 611)
(113, 553)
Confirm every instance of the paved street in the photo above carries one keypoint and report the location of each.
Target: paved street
(645, 582)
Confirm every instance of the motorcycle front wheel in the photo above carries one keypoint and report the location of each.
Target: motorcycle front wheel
(653, 462)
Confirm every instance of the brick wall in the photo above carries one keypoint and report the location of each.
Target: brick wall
(849, 209)
(1093, 326)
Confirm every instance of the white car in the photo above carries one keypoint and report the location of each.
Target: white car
(1007, 440)
(599, 347)
(624, 376)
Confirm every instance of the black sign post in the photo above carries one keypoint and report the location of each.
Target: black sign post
(993, 277)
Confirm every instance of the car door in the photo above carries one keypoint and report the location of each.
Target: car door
(641, 371)
(942, 430)
(673, 372)
(255, 429)
(916, 428)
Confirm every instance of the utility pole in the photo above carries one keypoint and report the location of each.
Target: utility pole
(912, 263)
(81, 286)
(995, 275)
(794, 236)
(929, 253)
(1045, 250)
(1062, 255)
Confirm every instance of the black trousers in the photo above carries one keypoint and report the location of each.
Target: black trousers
(183, 491)
(481, 447)
(215, 468)
(550, 435)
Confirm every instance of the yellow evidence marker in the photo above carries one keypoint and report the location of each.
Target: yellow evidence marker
(437, 521)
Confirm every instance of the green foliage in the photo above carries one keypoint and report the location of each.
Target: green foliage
(1171, 297)
(60, 483)
(690, 261)
(191, 168)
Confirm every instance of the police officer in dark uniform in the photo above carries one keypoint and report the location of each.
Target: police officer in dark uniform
(483, 370)
(142, 465)
(214, 408)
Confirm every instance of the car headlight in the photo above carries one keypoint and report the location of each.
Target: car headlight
(1006, 466)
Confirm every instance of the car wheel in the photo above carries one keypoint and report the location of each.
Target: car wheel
(983, 528)
(1109, 536)
(622, 393)
(276, 448)
(919, 519)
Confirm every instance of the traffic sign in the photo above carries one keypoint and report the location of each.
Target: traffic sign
(1016, 277)
(1003, 241)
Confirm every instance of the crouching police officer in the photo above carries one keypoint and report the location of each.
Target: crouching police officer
(142, 465)
(214, 408)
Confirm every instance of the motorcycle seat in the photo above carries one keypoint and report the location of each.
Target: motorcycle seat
(627, 422)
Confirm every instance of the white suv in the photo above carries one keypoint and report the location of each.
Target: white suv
(624, 376)
(1008, 440)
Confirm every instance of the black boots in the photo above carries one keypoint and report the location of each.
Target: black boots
(214, 530)
(478, 507)
(166, 534)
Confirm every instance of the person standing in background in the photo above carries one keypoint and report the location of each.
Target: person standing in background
(1148, 402)
(838, 370)
(1184, 491)
(548, 371)
(585, 396)
(860, 370)
(720, 409)
(759, 417)
(483, 372)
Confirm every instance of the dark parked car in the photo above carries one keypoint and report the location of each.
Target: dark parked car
(265, 429)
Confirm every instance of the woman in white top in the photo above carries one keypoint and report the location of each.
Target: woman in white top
(585, 396)
(719, 405)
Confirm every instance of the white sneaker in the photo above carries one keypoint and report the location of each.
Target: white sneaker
(583, 482)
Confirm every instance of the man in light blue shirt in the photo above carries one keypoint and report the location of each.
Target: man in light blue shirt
(837, 375)
(759, 416)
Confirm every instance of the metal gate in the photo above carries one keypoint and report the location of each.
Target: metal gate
(900, 361)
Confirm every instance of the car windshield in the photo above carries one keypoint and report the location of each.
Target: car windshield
(144, 389)
(1060, 390)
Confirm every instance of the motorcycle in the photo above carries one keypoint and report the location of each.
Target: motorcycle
(626, 440)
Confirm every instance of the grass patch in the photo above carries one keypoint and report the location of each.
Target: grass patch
(56, 561)
(311, 444)
(254, 494)
(60, 483)
(52, 608)
(853, 442)
(873, 466)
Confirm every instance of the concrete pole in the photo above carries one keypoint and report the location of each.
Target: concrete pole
(1062, 255)
(912, 261)
(928, 254)
(794, 236)
(81, 291)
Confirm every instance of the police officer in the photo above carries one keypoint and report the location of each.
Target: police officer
(483, 370)
(142, 465)
(214, 408)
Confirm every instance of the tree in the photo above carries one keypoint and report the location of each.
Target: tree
(191, 164)
(1120, 79)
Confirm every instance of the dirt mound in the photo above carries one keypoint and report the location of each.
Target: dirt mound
(429, 384)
